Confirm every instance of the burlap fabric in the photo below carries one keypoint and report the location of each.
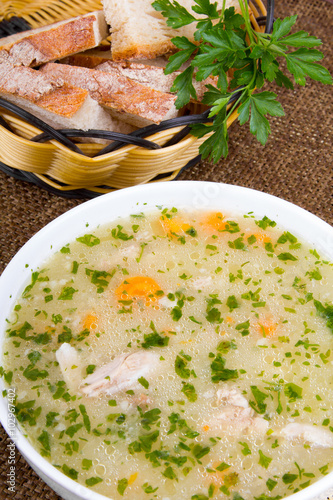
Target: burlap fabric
(296, 165)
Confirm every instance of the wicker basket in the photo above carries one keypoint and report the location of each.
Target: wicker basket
(54, 161)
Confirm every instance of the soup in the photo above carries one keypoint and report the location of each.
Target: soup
(177, 354)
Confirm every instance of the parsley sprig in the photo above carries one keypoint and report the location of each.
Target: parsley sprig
(224, 41)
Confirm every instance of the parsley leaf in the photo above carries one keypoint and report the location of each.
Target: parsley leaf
(286, 256)
(177, 15)
(99, 278)
(259, 405)
(67, 293)
(325, 312)
(143, 382)
(118, 234)
(264, 461)
(44, 440)
(181, 365)
(154, 339)
(89, 239)
(293, 391)
(122, 485)
(265, 222)
(33, 374)
(189, 391)
(219, 372)
(260, 104)
(149, 418)
(72, 473)
(91, 481)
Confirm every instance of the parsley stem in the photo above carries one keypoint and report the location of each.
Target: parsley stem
(235, 104)
(245, 14)
(222, 12)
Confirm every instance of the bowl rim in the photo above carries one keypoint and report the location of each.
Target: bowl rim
(202, 195)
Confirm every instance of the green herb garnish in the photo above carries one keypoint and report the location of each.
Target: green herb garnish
(226, 40)
(118, 234)
(67, 293)
(181, 365)
(72, 473)
(99, 278)
(89, 239)
(93, 480)
(154, 339)
(189, 391)
(325, 312)
(219, 372)
(263, 460)
(122, 485)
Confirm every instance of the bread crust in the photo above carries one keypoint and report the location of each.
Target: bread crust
(135, 103)
(59, 104)
(84, 60)
(143, 51)
(153, 76)
(38, 46)
(64, 101)
(27, 83)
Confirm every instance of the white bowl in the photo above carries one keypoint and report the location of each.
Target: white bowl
(189, 194)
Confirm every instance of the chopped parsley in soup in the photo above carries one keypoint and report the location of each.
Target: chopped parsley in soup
(178, 355)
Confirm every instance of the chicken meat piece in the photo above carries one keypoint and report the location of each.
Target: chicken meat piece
(69, 363)
(235, 416)
(316, 436)
(165, 302)
(201, 282)
(121, 374)
(236, 420)
(231, 397)
(131, 251)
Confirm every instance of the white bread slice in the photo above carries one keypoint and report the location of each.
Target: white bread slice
(124, 98)
(55, 41)
(139, 31)
(59, 105)
(152, 76)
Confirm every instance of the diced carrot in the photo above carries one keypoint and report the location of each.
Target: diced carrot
(206, 428)
(217, 478)
(214, 221)
(263, 237)
(90, 321)
(138, 287)
(266, 327)
(132, 478)
(229, 319)
(260, 237)
(175, 226)
(167, 328)
(224, 477)
(231, 479)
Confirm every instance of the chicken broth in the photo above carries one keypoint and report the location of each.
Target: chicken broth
(178, 355)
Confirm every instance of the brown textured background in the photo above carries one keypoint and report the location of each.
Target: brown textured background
(296, 165)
